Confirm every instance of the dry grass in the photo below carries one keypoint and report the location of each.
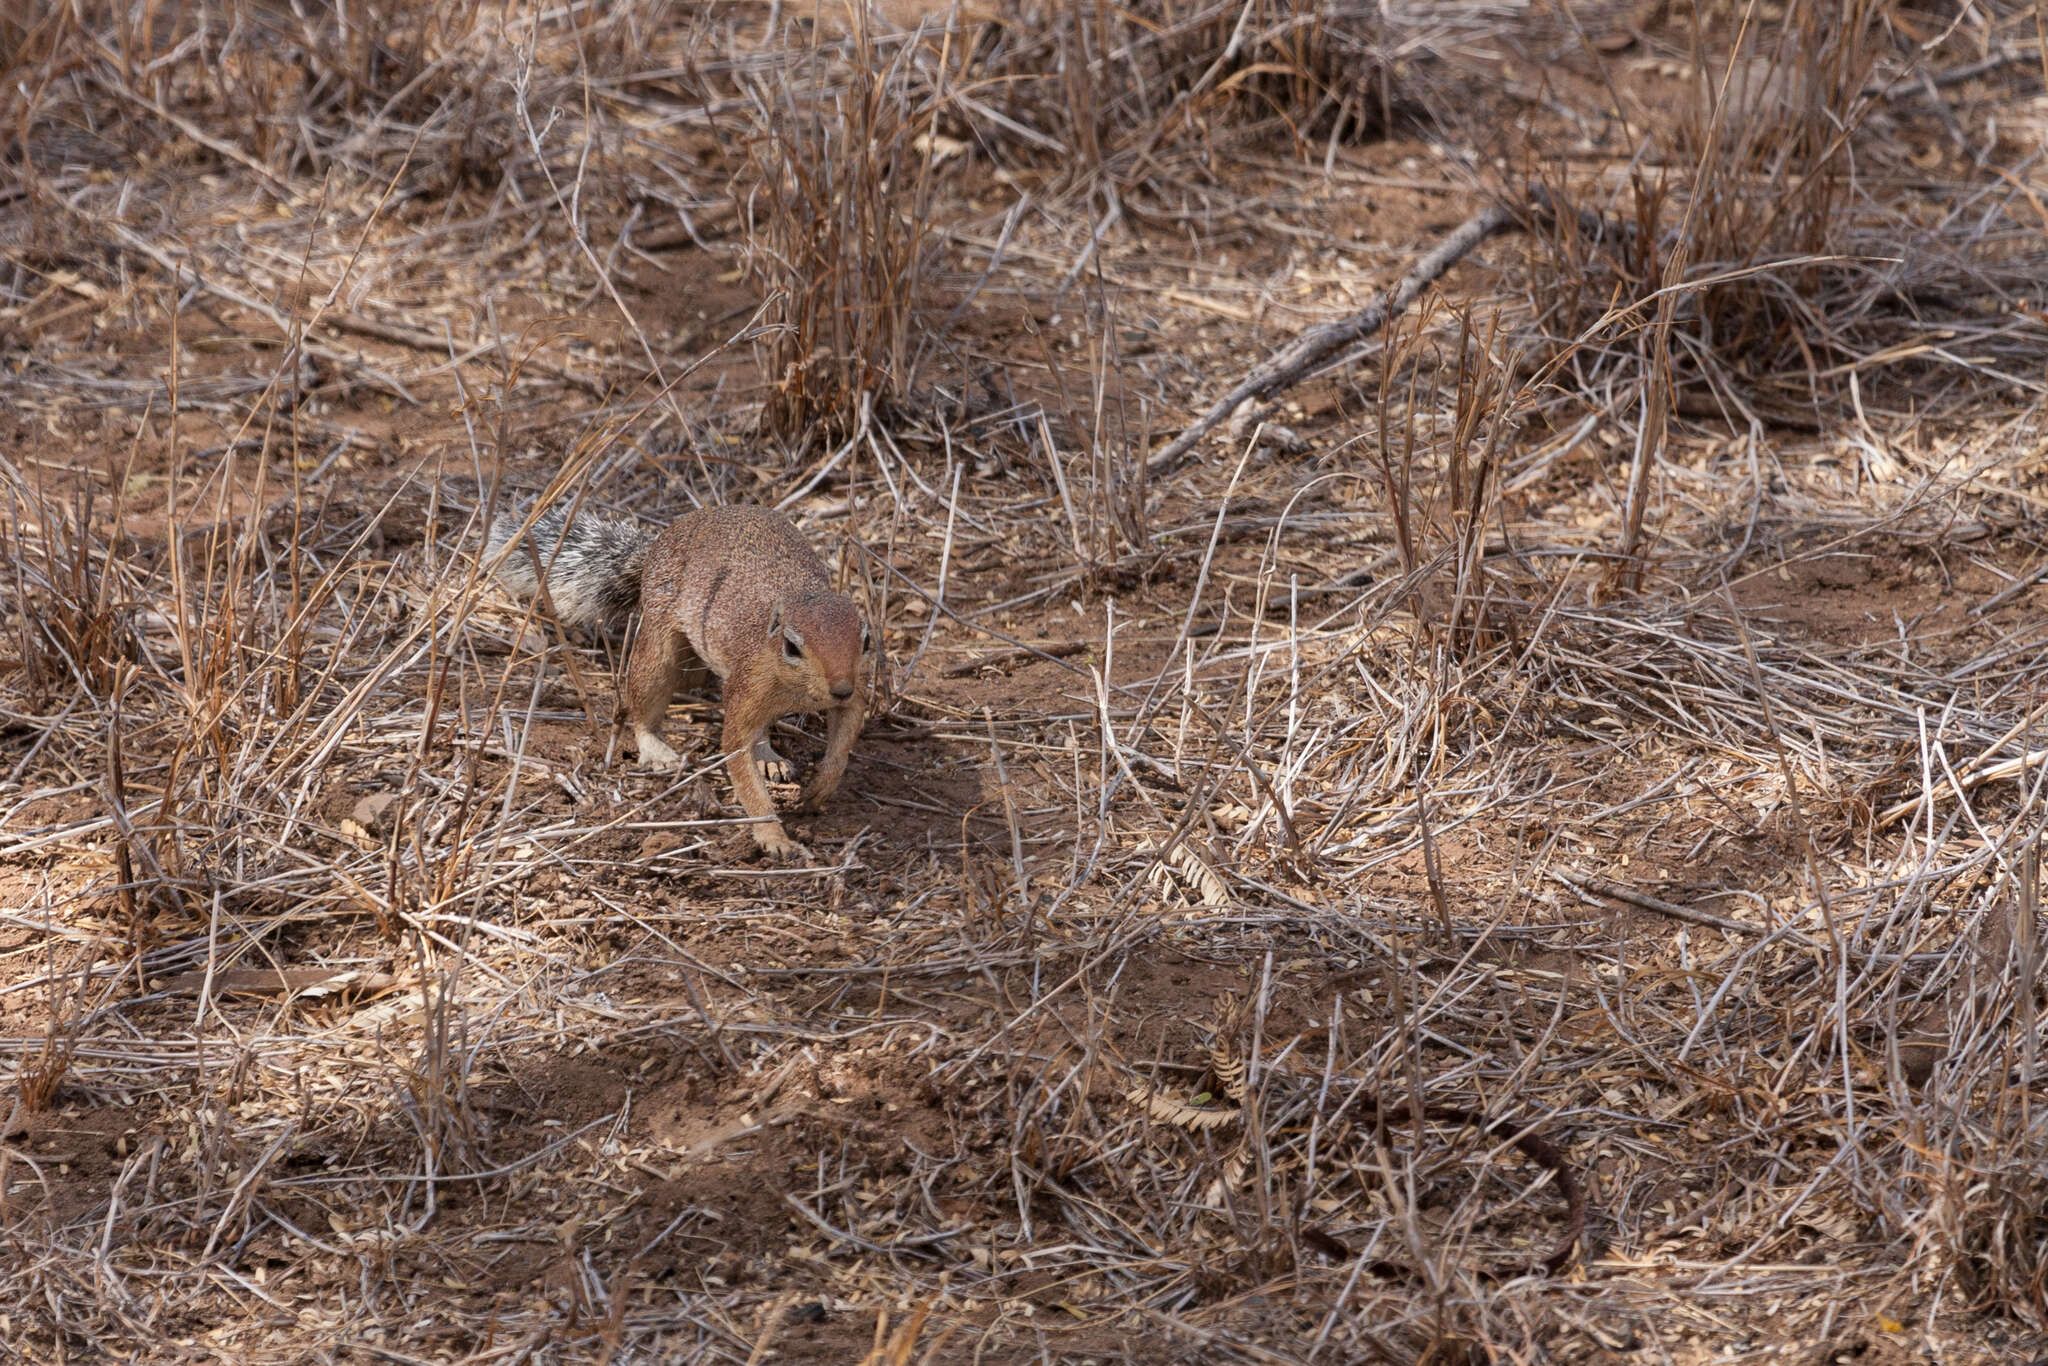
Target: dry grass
(1116, 93)
(1577, 755)
(838, 205)
(1769, 250)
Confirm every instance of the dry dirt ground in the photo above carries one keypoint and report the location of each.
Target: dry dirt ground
(1522, 852)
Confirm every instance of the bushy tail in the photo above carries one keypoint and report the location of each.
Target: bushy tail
(593, 566)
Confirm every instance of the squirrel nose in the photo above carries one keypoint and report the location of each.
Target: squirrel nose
(842, 691)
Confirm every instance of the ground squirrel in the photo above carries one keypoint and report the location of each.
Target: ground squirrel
(737, 589)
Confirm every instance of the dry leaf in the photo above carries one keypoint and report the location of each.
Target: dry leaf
(1167, 1110)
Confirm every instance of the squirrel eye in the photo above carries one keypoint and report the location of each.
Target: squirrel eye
(792, 648)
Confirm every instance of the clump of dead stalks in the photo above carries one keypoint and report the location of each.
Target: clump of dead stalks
(1988, 1215)
(71, 630)
(1440, 479)
(1741, 261)
(1741, 269)
(1112, 94)
(838, 202)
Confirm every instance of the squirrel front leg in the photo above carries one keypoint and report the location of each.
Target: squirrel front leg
(746, 724)
(842, 728)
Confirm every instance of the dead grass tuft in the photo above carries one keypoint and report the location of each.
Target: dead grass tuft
(1745, 268)
(40, 1075)
(839, 212)
(1116, 96)
(1989, 1215)
(1746, 241)
(71, 617)
(1440, 481)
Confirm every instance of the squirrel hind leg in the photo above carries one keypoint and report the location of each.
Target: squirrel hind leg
(656, 667)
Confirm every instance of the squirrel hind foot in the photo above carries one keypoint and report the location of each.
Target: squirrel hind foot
(774, 767)
(655, 752)
(777, 847)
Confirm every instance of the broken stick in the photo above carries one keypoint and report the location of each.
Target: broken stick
(1293, 361)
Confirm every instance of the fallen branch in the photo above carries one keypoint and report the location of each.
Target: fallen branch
(1292, 362)
(1023, 654)
(1971, 778)
(2011, 590)
(1614, 891)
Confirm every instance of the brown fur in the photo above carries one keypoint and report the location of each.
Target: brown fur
(739, 590)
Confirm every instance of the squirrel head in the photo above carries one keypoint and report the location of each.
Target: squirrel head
(819, 641)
